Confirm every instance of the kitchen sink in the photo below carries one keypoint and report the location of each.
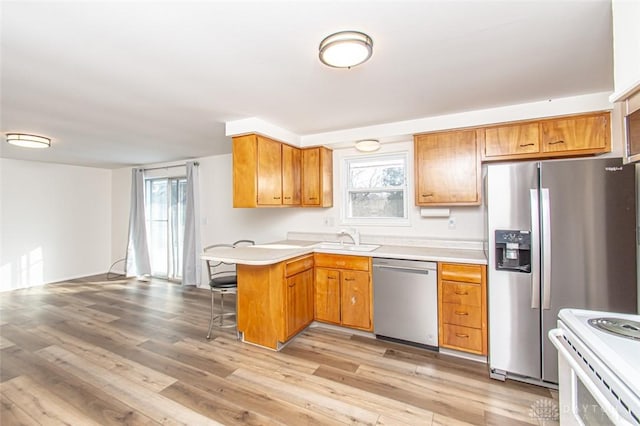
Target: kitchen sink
(277, 246)
(347, 247)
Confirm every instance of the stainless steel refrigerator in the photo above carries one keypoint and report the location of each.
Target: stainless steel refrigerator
(562, 234)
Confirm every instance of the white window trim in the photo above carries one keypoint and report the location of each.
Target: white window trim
(344, 184)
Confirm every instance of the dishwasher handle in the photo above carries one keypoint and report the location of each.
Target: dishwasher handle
(405, 268)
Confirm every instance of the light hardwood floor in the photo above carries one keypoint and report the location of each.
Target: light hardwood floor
(90, 352)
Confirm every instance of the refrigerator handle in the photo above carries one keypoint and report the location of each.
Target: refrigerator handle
(535, 252)
(546, 248)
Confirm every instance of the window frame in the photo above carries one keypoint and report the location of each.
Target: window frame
(345, 190)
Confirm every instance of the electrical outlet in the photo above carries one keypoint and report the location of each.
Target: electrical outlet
(452, 223)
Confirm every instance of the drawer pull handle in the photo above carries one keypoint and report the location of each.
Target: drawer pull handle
(428, 195)
(349, 279)
(556, 142)
(276, 198)
(331, 278)
(287, 198)
(464, 336)
(522, 145)
(313, 198)
(461, 293)
(462, 313)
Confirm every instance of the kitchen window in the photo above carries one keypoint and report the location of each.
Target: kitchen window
(375, 190)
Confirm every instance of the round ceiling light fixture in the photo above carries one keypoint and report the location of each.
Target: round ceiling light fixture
(28, 141)
(368, 145)
(346, 49)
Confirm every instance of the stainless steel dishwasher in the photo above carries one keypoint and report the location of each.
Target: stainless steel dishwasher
(405, 300)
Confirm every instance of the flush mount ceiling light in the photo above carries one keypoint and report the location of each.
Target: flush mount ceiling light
(28, 141)
(346, 49)
(368, 145)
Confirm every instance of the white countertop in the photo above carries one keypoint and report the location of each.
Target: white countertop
(267, 254)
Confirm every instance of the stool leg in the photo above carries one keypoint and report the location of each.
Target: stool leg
(211, 320)
(221, 309)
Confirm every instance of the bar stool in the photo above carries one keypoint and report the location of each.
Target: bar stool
(223, 280)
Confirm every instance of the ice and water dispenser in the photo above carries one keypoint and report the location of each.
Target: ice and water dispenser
(513, 250)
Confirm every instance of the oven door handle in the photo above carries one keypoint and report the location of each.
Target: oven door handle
(556, 336)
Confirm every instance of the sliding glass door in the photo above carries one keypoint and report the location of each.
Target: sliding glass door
(165, 209)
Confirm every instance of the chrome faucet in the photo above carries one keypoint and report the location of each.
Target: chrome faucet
(353, 233)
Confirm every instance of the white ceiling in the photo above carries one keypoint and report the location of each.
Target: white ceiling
(122, 83)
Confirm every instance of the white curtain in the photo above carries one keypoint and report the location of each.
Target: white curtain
(137, 249)
(192, 248)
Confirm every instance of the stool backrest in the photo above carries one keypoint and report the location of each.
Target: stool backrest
(220, 269)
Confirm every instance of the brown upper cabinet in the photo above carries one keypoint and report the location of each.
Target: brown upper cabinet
(266, 173)
(317, 177)
(571, 136)
(447, 168)
(512, 139)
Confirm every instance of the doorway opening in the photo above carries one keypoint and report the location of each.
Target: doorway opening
(165, 200)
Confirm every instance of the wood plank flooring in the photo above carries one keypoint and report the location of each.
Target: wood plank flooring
(95, 352)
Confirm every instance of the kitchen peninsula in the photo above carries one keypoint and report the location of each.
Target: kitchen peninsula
(283, 286)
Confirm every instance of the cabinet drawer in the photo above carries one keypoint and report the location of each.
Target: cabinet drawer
(464, 338)
(356, 263)
(468, 316)
(461, 272)
(298, 265)
(462, 294)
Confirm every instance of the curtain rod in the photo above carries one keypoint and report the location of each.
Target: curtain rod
(169, 167)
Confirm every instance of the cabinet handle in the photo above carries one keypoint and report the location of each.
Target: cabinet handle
(556, 142)
(313, 198)
(287, 198)
(462, 313)
(526, 144)
(428, 195)
(464, 336)
(461, 293)
(353, 300)
(349, 279)
(276, 198)
(292, 285)
(331, 278)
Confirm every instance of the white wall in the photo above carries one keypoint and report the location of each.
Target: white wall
(55, 222)
(120, 200)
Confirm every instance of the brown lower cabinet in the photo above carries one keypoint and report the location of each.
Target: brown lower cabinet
(275, 301)
(343, 290)
(462, 307)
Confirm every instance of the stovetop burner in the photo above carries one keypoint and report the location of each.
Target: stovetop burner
(619, 327)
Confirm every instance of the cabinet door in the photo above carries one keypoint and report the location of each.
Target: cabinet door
(245, 176)
(317, 177)
(512, 140)
(356, 299)
(311, 179)
(327, 295)
(590, 132)
(269, 172)
(299, 307)
(291, 179)
(447, 169)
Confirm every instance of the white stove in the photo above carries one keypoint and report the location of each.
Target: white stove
(599, 369)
